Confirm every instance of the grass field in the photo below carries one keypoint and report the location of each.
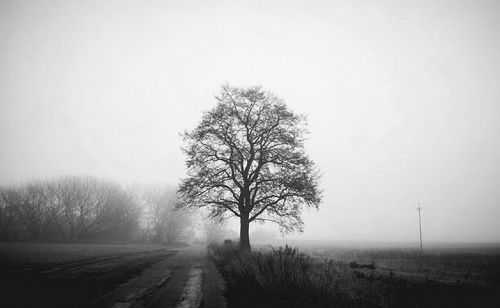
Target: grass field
(478, 266)
(69, 275)
(451, 277)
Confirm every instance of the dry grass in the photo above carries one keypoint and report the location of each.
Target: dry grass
(286, 277)
(279, 277)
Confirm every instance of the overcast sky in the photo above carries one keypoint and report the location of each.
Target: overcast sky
(402, 99)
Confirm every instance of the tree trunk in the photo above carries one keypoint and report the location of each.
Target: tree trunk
(244, 237)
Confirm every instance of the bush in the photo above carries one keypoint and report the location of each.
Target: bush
(281, 276)
(356, 265)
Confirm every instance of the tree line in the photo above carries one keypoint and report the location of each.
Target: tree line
(86, 208)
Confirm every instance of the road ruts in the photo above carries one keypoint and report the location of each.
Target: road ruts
(184, 280)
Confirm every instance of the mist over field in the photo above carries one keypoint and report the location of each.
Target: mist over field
(401, 100)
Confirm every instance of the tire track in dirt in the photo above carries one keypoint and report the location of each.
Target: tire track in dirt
(88, 261)
(192, 294)
(186, 279)
(97, 260)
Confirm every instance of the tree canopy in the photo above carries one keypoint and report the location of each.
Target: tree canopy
(246, 158)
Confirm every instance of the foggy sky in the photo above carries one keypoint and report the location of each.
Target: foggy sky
(402, 99)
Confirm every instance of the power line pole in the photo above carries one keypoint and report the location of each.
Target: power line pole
(419, 208)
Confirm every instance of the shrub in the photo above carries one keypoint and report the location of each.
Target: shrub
(356, 265)
(282, 275)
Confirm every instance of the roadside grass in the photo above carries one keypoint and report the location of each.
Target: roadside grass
(282, 277)
(286, 277)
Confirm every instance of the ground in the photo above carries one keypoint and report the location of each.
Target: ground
(104, 275)
(330, 276)
(93, 275)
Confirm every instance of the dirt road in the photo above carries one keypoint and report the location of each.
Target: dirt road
(185, 279)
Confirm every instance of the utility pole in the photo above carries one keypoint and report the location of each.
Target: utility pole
(419, 208)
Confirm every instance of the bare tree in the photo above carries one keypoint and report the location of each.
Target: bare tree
(161, 221)
(96, 209)
(213, 230)
(69, 208)
(32, 206)
(10, 225)
(82, 198)
(246, 157)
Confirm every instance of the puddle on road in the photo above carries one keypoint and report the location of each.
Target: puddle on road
(192, 294)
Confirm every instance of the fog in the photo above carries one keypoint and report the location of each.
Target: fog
(402, 100)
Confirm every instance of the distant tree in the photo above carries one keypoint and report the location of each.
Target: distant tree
(31, 204)
(67, 208)
(213, 230)
(10, 225)
(246, 158)
(161, 221)
(96, 209)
